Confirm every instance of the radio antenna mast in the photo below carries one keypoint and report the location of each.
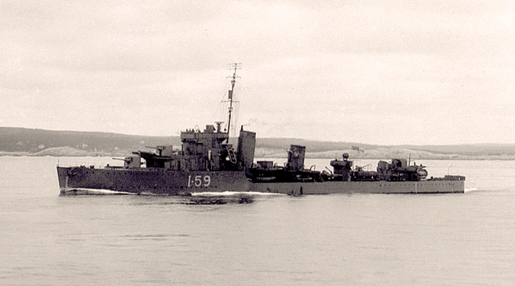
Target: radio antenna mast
(234, 66)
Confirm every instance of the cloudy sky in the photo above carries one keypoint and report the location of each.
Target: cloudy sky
(379, 72)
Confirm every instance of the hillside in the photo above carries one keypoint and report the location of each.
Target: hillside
(73, 143)
(37, 142)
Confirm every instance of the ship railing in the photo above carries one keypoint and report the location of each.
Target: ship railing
(448, 178)
(92, 165)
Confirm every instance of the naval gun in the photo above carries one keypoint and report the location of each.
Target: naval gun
(400, 170)
(130, 162)
(397, 170)
(162, 150)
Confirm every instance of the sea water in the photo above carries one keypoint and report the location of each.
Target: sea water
(356, 239)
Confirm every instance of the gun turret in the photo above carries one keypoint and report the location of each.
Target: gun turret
(130, 162)
(399, 170)
(165, 150)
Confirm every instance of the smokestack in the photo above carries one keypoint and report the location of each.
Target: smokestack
(296, 157)
(246, 146)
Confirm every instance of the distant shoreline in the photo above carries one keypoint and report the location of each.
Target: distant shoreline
(37, 143)
(276, 155)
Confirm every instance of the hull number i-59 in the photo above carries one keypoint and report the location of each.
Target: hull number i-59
(199, 181)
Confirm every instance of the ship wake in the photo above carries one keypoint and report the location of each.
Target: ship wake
(221, 198)
(206, 198)
(231, 193)
(90, 192)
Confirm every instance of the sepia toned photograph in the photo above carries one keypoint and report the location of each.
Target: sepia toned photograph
(257, 142)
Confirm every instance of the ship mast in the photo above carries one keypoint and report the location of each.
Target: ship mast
(230, 96)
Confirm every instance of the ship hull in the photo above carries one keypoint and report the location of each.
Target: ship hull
(77, 180)
(149, 181)
(374, 187)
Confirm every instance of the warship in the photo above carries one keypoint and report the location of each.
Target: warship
(206, 162)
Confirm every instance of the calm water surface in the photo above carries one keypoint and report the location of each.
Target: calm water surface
(358, 239)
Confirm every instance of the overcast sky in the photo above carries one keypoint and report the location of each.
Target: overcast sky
(379, 72)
